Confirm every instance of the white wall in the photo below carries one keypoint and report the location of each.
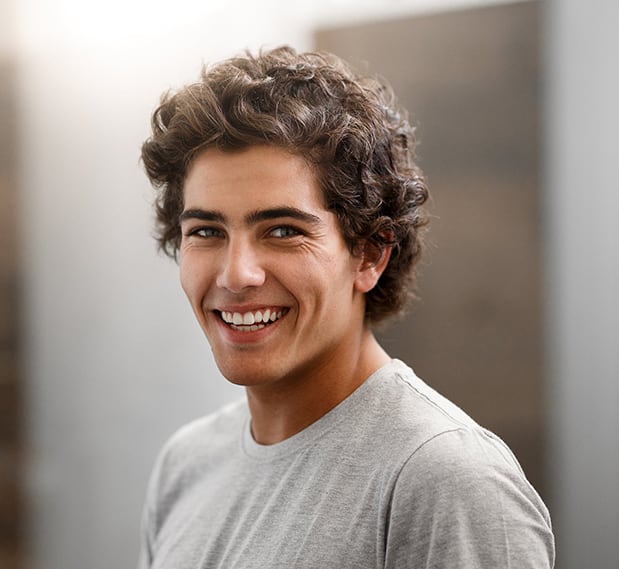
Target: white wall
(582, 204)
(114, 360)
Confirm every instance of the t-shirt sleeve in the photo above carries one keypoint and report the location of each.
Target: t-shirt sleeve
(147, 529)
(145, 553)
(461, 501)
(152, 505)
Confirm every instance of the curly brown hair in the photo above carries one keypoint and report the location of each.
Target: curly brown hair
(347, 126)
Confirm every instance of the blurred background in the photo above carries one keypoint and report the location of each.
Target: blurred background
(518, 322)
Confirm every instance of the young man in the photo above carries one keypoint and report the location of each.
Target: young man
(289, 193)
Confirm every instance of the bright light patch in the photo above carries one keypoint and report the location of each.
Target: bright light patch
(110, 23)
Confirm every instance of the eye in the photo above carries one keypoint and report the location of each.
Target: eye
(204, 232)
(284, 232)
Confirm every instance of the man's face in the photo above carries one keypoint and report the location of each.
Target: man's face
(265, 267)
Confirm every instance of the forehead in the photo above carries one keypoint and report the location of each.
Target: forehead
(254, 178)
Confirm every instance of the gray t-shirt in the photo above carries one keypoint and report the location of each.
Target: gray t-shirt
(395, 476)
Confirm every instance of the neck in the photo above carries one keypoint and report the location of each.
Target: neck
(282, 410)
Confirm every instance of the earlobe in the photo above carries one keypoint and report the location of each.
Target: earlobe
(374, 260)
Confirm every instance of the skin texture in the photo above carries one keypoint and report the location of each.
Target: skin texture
(256, 236)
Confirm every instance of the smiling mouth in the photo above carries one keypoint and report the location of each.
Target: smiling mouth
(253, 320)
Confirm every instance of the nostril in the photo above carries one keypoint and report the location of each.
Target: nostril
(241, 272)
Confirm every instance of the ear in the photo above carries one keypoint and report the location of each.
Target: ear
(372, 263)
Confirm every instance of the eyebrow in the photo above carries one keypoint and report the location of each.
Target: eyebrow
(253, 217)
(279, 212)
(202, 215)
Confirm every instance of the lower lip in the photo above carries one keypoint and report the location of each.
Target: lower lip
(249, 336)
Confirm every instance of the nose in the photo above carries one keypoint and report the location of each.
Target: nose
(240, 268)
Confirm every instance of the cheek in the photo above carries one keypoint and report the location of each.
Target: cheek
(326, 288)
(191, 276)
(185, 282)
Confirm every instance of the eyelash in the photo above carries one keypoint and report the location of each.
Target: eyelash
(210, 232)
(290, 231)
(199, 232)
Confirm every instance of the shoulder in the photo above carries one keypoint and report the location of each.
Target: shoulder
(398, 382)
(458, 496)
(451, 454)
(408, 412)
(203, 440)
(405, 429)
(224, 420)
(459, 463)
(183, 459)
(462, 498)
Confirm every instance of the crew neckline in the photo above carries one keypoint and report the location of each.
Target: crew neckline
(318, 428)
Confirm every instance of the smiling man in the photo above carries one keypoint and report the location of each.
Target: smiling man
(288, 191)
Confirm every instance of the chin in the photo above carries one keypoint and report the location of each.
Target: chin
(240, 375)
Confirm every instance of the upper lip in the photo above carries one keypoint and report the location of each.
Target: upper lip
(248, 308)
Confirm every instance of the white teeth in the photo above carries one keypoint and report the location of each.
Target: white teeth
(253, 320)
